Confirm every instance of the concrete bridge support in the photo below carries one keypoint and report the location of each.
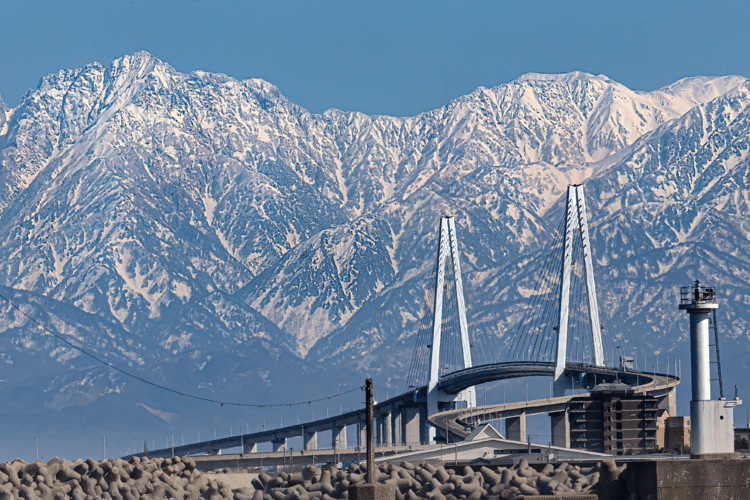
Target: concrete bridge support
(361, 434)
(412, 425)
(310, 440)
(387, 429)
(380, 430)
(249, 447)
(279, 444)
(560, 427)
(515, 428)
(427, 431)
(397, 434)
(669, 402)
(338, 437)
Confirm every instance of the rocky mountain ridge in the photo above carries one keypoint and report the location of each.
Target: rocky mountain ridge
(173, 219)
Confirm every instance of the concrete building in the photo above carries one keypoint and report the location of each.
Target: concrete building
(616, 421)
(678, 434)
(486, 443)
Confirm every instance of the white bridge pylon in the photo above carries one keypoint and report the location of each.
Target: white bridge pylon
(576, 226)
(448, 243)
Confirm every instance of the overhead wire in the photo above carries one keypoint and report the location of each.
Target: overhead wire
(162, 387)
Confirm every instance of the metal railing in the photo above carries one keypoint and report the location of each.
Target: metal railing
(697, 294)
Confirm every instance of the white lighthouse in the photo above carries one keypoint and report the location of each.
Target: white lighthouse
(712, 422)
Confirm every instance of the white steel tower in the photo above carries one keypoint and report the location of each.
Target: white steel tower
(448, 243)
(576, 226)
(712, 422)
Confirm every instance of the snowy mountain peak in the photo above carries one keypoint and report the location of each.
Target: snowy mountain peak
(573, 76)
(191, 215)
(4, 111)
(689, 92)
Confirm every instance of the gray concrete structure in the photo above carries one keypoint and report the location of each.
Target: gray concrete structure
(560, 426)
(397, 434)
(310, 440)
(411, 425)
(279, 444)
(515, 428)
(687, 479)
(387, 428)
(338, 436)
(361, 435)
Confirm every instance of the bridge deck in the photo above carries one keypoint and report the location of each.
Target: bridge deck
(454, 421)
(453, 384)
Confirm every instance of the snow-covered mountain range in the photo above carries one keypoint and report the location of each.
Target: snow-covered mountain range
(207, 233)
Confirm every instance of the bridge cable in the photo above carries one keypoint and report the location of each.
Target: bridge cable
(519, 341)
(487, 345)
(552, 311)
(455, 328)
(612, 324)
(421, 351)
(576, 311)
(522, 340)
(547, 317)
(161, 387)
(618, 327)
(426, 325)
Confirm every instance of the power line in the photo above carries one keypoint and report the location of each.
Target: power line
(173, 391)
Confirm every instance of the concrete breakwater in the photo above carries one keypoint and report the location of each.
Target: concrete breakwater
(112, 479)
(178, 478)
(434, 481)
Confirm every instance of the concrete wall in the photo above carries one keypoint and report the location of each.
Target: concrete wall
(688, 479)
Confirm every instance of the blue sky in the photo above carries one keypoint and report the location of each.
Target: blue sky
(379, 57)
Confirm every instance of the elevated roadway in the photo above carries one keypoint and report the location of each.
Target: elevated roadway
(458, 422)
(402, 420)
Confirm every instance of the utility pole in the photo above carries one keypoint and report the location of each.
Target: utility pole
(370, 433)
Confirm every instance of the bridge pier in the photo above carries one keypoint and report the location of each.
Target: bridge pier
(397, 434)
(412, 428)
(387, 428)
(249, 447)
(310, 440)
(560, 427)
(338, 436)
(669, 402)
(515, 428)
(278, 444)
(361, 434)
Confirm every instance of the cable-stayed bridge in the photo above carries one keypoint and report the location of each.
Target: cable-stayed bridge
(560, 336)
